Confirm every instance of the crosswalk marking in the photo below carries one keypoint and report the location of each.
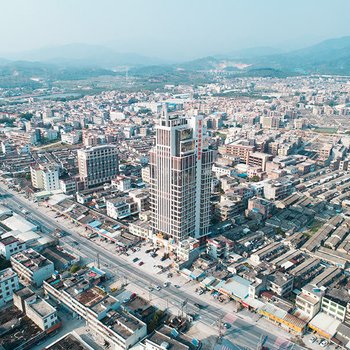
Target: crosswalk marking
(282, 343)
(230, 318)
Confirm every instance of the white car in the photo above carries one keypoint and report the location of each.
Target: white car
(158, 288)
(165, 284)
(324, 343)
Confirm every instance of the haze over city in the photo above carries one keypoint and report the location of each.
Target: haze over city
(171, 30)
(175, 175)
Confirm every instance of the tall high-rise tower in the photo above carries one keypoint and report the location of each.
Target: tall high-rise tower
(180, 178)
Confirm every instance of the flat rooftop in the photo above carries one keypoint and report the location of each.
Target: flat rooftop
(18, 327)
(69, 342)
(122, 323)
(6, 274)
(42, 308)
(8, 240)
(58, 256)
(31, 259)
(90, 296)
(103, 304)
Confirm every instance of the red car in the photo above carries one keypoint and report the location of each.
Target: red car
(141, 263)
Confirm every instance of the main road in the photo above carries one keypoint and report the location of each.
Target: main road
(245, 334)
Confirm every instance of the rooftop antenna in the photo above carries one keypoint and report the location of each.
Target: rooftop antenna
(164, 113)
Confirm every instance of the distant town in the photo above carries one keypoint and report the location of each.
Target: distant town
(185, 216)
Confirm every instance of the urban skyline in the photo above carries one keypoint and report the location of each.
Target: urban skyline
(175, 175)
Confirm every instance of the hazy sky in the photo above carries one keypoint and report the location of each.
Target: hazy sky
(179, 29)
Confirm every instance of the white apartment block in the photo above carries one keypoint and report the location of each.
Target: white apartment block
(10, 245)
(68, 186)
(71, 138)
(119, 208)
(140, 229)
(8, 284)
(31, 267)
(101, 312)
(275, 190)
(145, 173)
(122, 183)
(45, 177)
(41, 313)
(220, 170)
(309, 300)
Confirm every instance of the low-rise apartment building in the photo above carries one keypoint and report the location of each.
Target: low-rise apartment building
(10, 245)
(277, 189)
(219, 247)
(101, 311)
(45, 177)
(336, 303)
(8, 284)
(37, 309)
(119, 208)
(42, 313)
(308, 302)
(32, 267)
(280, 283)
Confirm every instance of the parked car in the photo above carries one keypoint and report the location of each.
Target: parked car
(141, 263)
(135, 259)
(324, 343)
(158, 288)
(227, 325)
(199, 306)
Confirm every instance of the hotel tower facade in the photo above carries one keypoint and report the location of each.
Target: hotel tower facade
(180, 178)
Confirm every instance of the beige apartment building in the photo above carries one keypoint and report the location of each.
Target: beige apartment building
(98, 164)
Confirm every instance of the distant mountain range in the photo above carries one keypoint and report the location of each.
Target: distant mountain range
(81, 61)
(328, 57)
(84, 55)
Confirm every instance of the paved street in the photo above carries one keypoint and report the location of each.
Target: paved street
(244, 332)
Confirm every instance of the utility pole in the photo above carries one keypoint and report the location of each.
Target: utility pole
(220, 330)
(260, 343)
(183, 304)
(150, 292)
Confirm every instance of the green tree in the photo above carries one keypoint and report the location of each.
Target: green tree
(255, 178)
(27, 116)
(280, 232)
(74, 268)
(154, 323)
